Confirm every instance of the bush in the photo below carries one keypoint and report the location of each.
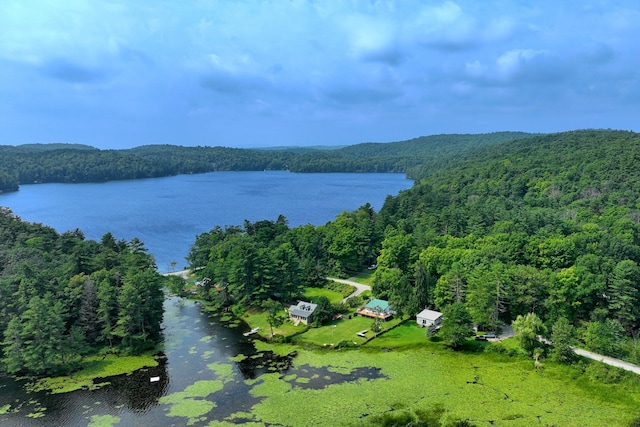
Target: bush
(354, 302)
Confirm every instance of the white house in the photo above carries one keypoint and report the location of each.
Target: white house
(429, 317)
(301, 312)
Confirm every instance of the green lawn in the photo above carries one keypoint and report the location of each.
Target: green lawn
(364, 277)
(313, 293)
(258, 318)
(342, 330)
(405, 335)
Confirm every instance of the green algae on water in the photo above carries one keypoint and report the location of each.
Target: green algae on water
(103, 421)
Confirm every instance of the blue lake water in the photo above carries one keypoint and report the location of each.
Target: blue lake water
(168, 213)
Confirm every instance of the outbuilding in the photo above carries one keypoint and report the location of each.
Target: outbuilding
(428, 318)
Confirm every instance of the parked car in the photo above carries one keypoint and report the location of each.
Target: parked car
(485, 337)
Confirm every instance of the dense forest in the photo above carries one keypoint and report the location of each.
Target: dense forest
(64, 297)
(72, 163)
(547, 225)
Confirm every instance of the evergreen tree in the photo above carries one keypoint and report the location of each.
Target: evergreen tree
(456, 325)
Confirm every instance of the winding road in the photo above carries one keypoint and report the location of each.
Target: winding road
(360, 288)
(608, 360)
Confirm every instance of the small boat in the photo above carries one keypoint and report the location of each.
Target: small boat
(154, 379)
(251, 332)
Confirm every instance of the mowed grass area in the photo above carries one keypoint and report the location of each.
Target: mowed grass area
(342, 330)
(310, 294)
(487, 389)
(256, 317)
(365, 277)
(407, 334)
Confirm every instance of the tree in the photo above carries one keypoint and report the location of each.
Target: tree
(42, 332)
(486, 295)
(604, 337)
(452, 286)
(323, 312)
(527, 329)
(563, 336)
(275, 314)
(456, 325)
(130, 324)
(424, 283)
(623, 293)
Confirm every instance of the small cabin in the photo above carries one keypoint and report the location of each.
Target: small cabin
(428, 318)
(377, 309)
(302, 312)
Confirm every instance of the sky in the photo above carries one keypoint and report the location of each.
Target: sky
(253, 73)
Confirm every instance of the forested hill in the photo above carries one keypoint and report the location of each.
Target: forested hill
(40, 163)
(548, 225)
(427, 152)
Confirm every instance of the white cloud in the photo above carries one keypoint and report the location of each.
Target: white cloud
(402, 64)
(516, 60)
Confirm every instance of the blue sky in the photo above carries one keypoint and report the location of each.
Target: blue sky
(122, 73)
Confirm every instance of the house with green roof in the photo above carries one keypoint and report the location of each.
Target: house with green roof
(376, 309)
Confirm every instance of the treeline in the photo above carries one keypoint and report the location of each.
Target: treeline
(245, 266)
(547, 225)
(64, 297)
(415, 156)
(71, 163)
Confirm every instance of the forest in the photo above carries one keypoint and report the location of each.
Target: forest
(543, 228)
(74, 163)
(64, 297)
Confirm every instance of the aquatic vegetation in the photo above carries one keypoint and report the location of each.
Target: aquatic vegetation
(93, 368)
(203, 388)
(103, 421)
(483, 388)
(223, 370)
(5, 409)
(270, 385)
(190, 403)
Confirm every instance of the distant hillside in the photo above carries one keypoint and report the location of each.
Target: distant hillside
(591, 169)
(53, 146)
(428, 151)
(302, 149)
(40, 163)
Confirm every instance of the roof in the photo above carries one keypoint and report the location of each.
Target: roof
(379, 304)
(303, 309)
(429, 314)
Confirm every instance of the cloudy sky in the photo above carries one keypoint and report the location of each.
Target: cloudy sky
(122, 73)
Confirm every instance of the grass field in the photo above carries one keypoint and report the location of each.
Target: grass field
(258, 318)
(364, 277)
(342, 330)
(313, 293)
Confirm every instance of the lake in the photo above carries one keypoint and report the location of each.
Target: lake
(201, 351)
(168, 213)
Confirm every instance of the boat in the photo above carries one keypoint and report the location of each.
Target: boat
(251, 332)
